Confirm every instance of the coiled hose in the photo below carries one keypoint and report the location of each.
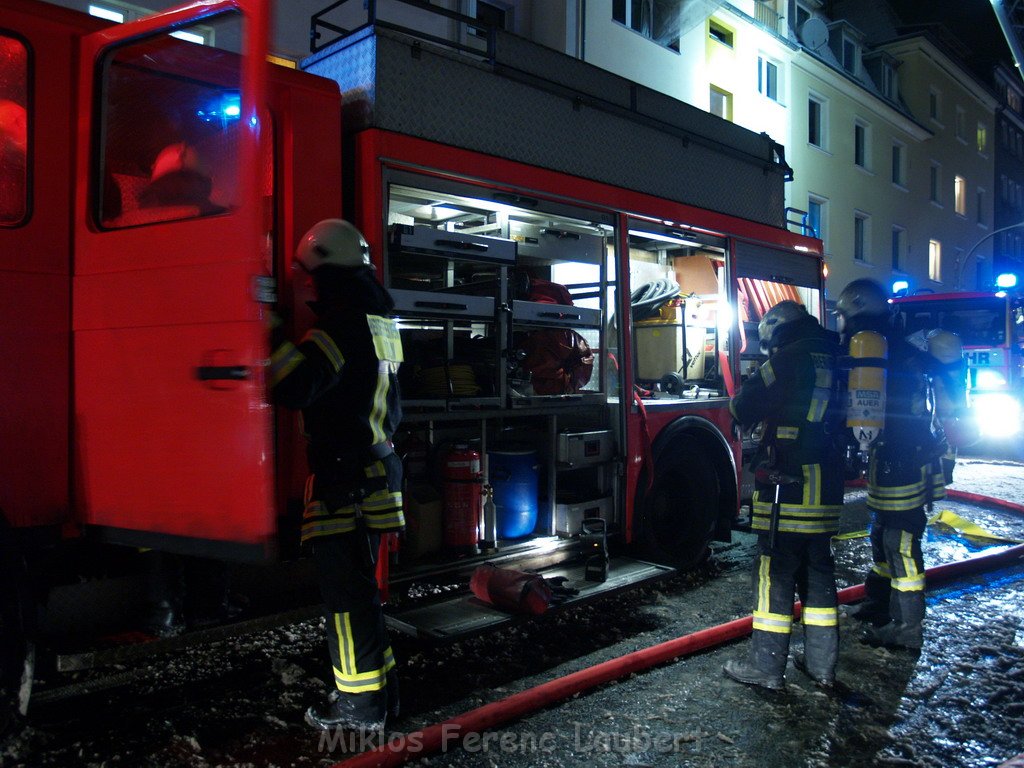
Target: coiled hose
(646, 300)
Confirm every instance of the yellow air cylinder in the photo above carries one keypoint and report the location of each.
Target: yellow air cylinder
(865, 412)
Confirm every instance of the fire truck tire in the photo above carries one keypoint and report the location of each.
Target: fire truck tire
(677, 515)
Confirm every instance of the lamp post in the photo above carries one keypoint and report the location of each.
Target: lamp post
(961, 263)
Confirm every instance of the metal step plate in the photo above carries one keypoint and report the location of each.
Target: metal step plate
(465, 615)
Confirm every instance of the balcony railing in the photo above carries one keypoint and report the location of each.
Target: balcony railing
(766, 16)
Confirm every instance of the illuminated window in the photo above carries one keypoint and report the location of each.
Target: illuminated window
(935, 261)
(768, 78)
(860, 236)
(169, 139)
(899, 169)
(720, 103)
(14, 133)
(934, 188)
(657, 20)
(899, 238)
(960, 195)
(982, 137)
(815, 122)
(720, 33)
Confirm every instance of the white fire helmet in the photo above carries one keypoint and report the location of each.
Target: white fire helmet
(333, 242)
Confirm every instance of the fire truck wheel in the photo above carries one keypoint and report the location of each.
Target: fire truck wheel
(677, 515)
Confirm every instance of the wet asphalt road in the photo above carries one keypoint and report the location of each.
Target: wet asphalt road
(960, 703)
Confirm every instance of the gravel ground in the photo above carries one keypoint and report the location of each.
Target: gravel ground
(960, 703)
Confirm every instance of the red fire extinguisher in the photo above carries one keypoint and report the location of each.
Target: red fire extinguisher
(463, 494)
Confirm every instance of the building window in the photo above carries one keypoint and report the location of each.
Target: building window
(960, 195)
(899, 237)
(721, 103)
(815, 122)
(934, 188)
(657, 20)
(802, 16)
(898, 164)
(860, 144)
(14, 186)
(850, 51)
(860, 236)
(889, 88)
(767, 78)
(961, 124)
(980, 207)
(1013, 99)
(982, 138)
(720, 33)
(935, 261)
(934, 105)
(817, 216)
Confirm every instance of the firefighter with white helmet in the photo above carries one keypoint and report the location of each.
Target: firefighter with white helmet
(343, 376)
(903, 472)
(798, 496)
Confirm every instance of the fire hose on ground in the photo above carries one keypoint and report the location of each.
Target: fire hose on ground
(451, 732)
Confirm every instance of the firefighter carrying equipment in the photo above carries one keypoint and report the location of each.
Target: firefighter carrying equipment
(792, 393)
(785, 311)
(865, 404)
(518, 591)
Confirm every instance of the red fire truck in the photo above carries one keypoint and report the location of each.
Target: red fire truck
(579, 266)
(991, 329)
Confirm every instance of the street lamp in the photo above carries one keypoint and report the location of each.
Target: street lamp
(961, 263)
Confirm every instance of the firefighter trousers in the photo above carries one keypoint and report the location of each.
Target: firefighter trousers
(799, 563)
(895, 585)
(354, 621)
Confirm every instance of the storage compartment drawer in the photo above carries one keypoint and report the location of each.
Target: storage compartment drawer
(542, 313)
(555, 366)
(584, 449)
(440, 304)
(556, 243)
(449, 363)
(569, 515)
(422, 239)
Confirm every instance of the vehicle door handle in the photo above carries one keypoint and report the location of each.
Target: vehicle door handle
(222, 372)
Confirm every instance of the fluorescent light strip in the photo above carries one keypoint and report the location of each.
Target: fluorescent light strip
(664, 238)
(106, 13)
(191, 37)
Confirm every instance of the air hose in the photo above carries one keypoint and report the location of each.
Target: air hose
(648, 298)
(442, 736)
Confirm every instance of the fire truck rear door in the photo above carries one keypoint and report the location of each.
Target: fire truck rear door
(173, 443)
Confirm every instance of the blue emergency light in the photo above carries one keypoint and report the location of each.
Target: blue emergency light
(900, 287)
(224, 109)
(1006, 280)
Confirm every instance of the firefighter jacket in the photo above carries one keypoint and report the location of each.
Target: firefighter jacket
(904, 472)
(792, 394)
(343, 376)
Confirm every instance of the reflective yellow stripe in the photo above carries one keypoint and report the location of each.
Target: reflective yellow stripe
(326, 344)
(882, 569)
(773, 622)
(787, 433)
(908, 583)
(283, 361)
(767, 373)
(819, 402)
(820, 617)
(764, 583)
(379, 410)
(376, 469)
(897, 505)
(824, 511)
(894, 492)
(812, 485)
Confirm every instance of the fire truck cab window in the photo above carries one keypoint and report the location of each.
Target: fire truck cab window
(168, 141)
(680, 307)
(979, 323)
(13, 131)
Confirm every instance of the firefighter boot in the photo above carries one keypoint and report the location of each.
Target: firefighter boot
(821, 651)
(356, 711)
(391, 687)
(905, 631)
(766, 664)
(875, 608)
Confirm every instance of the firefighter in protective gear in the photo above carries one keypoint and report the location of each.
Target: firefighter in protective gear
(902, 474)
(798, 497)
(343, 376)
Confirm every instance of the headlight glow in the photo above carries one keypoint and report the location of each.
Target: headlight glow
(997, 415)
(990, 380)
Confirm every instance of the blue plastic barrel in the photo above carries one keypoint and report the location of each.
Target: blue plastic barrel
(513, 474)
